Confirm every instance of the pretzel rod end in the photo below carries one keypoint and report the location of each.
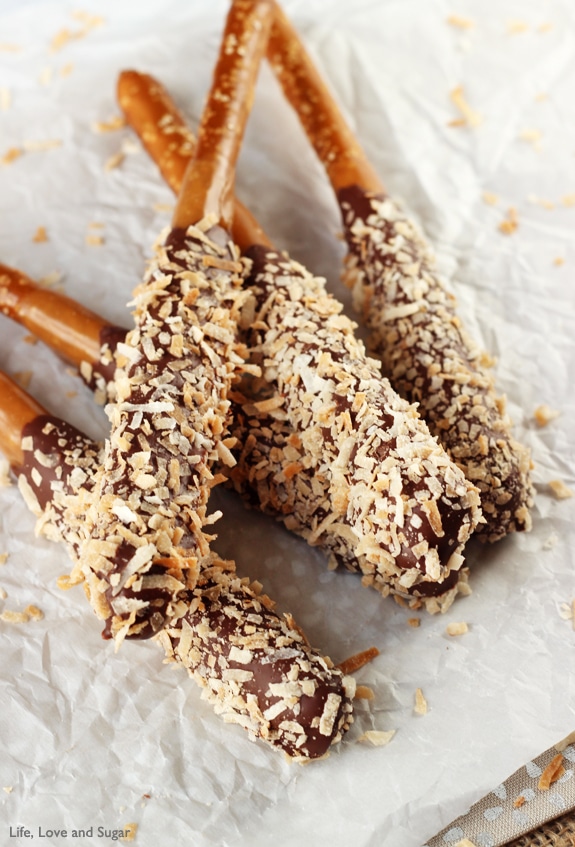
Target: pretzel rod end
(17, 409)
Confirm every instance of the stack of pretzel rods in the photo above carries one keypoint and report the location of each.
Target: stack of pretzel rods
(147, 527)
(254, 666)
(265, 471)
(426, 353)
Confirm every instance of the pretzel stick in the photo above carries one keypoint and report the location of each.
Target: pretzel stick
(170, 416)
(303, 703)
(415, 329)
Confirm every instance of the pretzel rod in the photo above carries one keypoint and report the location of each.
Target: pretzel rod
(153, 115)
(169, 420)
(208, 184)
(426, 354)
(255, 667)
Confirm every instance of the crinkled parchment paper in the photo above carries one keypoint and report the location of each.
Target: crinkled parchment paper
(93, 739)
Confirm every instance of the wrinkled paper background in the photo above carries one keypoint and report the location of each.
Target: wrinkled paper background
(89, 738)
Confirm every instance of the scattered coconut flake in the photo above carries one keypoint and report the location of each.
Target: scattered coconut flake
(10, 48)
(568, 200)
(465, 842)
(546, 26)
(10, 616)
(40, 235)
(551, 541)
(5, 99)
(34, 613)
(3, 558)
(3, 594)
(558, 261)
(67, 581)
(566, 611)
(163, 207)
(130, 830)
(111, 125)
(510, 224)
(67, 69)
(363, 692)
(354, 663)
(115, 161)
(544, 414)
(414, 622)
(532, 136)
(50, 279)
(460, 22)
(470, 117)
(11, 155)
(559, 489)
(42, 144)
(490, 198)
(94, 240)
(514, 27)
(8, 789)
(378, 738)
(65, 35)
(22, 378)
(552, 773)
(46, 75)
(457, 628)
(420, 707)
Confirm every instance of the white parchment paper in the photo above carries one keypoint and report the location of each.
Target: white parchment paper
(89, 739)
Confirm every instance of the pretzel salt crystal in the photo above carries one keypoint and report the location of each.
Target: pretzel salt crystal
(170, 415)
(415, 330)
(255, 666)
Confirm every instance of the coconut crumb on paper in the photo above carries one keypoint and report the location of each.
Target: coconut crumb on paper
(40, 235)
(64, 36)
(515, 27)
(460, 22)
(5, 99)
(41, 144)
(510, 224)
(66, 70)
(8, 789)
(559, 261)
(490, 198)
(414, 622)
(552, 773)
(420, 707)
(559, 489)
(357, 661)
(10, 48)
(111, 125)
(378, 738)
(10, 616)
(23, 378)
(457, 628)
(544, 414)
(114, 161)
(130, 830)
(93, 240)
(546, 26)
(50, 279)
(532, 136)
(11, 155)
(364, 692)
(34, 613)
(3, 594)
(3, 558)
(5, 480)
(465, 842)
(470, 117)
(520, 801)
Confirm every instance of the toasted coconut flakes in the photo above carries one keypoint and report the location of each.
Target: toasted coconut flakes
(552, 773)
(50, 279)
(117, 122)
(5, 99)
(414, 622)
(420, 707)
(470, 117)
(8, 789)
(269, 405)
(11, 155)
(221, 264)
(519, 802)
(545, 414)
(376, 737)
(114, 161)
(559, 489)
(3, 594)
(532, 136)
(34, 612)
(490, 198)
(163, 207)
(546, 26)
(130, 830)
(510, 224)
(559, 261)
(42, 144)
(5, 480)
(94, 240)
(40, 235)
(457, 628)
(3, 558)
(22, 378)
(67, 581)
(364, 692)
(357, 661)
(514, 27)
(67, 69)
(460, 22)
(568, 200)
(10, 48)
(14, 617)
(46, 74)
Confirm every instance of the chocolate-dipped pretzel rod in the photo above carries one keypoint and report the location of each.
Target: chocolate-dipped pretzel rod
(254, 666)
(275, 471)
(169, 419)
(415, 330)
(325, 497)
(267, 474)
